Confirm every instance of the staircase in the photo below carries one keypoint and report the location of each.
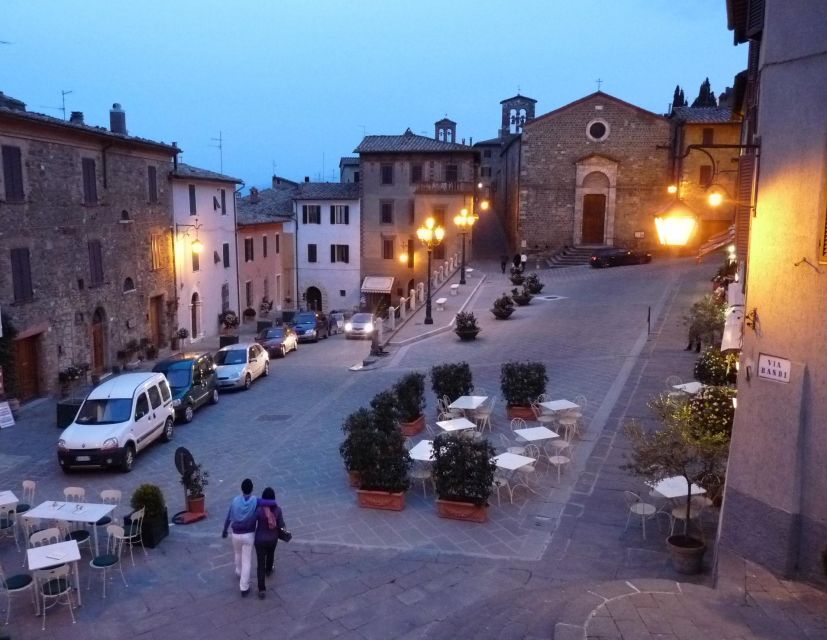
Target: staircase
(573, 256)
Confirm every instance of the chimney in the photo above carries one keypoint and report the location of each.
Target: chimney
(307, 178)
(76, 117)
(117, 119)
(253, 195)
(175, 159)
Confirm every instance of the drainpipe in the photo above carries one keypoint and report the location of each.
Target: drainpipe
(296, 254)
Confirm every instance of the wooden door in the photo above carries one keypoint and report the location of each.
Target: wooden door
(156, 309)
(594, 216)
(98, 348)
(27, 368)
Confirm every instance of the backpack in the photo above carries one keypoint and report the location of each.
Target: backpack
(272, 521)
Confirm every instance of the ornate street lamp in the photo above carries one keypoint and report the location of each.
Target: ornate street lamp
(430, 235)
(464, 221)
(196, 245)
(675, 224)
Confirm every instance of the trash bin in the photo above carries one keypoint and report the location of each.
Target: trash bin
(67, 409)
(224, 341)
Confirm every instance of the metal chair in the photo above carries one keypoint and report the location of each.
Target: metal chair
(482, 415)
(16, 584)
(111, 557)
(8, 524)
(541, 415)
(109, 496)
(636, 507)
(54, 584)
(74, 494)
(27, 499)
(561, 458)
(509, 447)
(133, 532)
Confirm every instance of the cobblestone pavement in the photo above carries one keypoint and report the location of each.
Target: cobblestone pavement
(550, 565)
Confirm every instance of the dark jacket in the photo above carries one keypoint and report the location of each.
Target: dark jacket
(264, 534)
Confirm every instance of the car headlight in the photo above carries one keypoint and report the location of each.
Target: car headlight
(61, 444)
(368, 327)
(235, 375)
(110, 443)
(348, 326)
(176, 402)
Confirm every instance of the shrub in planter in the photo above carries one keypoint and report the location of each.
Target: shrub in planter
(410, 402)
(463, 472)
(183, 333)
(517, 278)
(229, 320)
(194, 484)
(466, 325)
(521, 297)
(386, 471)
(354, 449)
(249, 313)
(156, 524)
(716, 368)
(503, 307)
(522, 382)
(532, 284)
(385, 411)
(452, 380)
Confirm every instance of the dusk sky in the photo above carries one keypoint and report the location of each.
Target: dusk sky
(293, 86)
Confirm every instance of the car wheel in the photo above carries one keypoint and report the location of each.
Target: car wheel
(266, 369)
(248, 382)
(169, 431)
(296, 345)
(128, 459)
(189, 413)
(66, 469)
(214, 396)
(282, 351)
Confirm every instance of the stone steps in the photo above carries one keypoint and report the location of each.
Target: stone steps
(572, 256)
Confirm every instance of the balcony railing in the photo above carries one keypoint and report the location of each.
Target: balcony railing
(445, 187)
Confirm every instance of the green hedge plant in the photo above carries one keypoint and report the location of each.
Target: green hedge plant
(452, 380)
(522, 382)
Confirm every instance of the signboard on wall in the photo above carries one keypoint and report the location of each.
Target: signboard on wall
(773, 368)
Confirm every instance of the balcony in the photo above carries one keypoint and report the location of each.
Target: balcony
(445, 187)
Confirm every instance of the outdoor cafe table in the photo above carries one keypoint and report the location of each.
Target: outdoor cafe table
(512, 461)
(675, 487)
(423, 451)
(51, 555)
(559, 405)
(689, 387)
(468, 403)
(8, 499)
(86, 512)
(455, 424)
(533, 434)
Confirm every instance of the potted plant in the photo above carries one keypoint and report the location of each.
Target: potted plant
(229, 322)
(156, 524)
(410, 402)
(521, 297)
(466, 326)
(521, 384)
(463, 472)
(194, 484)
(706, 320)
(533, 284)
(451, 380)
(354, 449)
(249, 314)
(715, 368)
(503, 307)
(516, 277)
(384, 479)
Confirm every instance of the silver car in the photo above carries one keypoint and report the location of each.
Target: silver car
(361, 325)
(237, 365)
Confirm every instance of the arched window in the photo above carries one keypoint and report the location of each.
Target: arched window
(128, 285)
(195, 310)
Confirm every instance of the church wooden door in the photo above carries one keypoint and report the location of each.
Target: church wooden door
(594, 216)
(27, 363)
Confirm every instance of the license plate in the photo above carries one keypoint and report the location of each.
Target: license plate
(82, 458)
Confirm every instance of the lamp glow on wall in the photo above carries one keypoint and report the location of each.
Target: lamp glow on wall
(676, 224)
(196, 245)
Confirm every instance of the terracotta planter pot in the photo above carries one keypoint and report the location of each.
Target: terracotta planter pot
(520, 411)
(687, 553)
(502, 314)
(465, 336)
(461, 511)
(195, 504)
(354, 478)
(381, 500)
(522, 300)
(412, 428)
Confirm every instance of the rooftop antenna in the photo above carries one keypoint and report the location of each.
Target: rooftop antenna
(62, 108)
(220, 147)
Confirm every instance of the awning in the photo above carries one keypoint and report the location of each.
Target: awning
(377, 284)
(717, 241)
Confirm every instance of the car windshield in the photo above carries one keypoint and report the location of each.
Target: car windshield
(179, 377)
(362, 317)
(305, 318)
(105, 411)
(231, 356)
(271, 333)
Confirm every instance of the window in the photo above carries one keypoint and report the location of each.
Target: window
(266, 288)
(223, 202)
(439, 216)
(128, 285)
(439, 251)
(95, 263)
(386, 208)
(387, 174)
(264, 246)
(410, 253)
(597, 130)
(196, 262)
(154, 396)
(248, 293)
(311, 253)
(339, 253)
(705, 176)
(152, 184)
(21, 275)
(141, 407)
(387, 248)
(411, 211)
(225, 250)
(339, 214)
(311, 214)
(356, 177)
(13, 174)
(249, 252)
(451, 173)
(225, 297)
(416, 173)
(193, 210)
(485, 172)
(278, 244)
(708, 135)
(156, 248)
(90, 182)
(486, 153)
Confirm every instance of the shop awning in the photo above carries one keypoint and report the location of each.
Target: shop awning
(377, 284)
(717, 241)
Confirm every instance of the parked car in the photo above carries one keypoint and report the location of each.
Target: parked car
(192, 380)
(361, 325)
(119, 418)
(279, 341)
(616, 256)
(310, 326)
(237, 365)
(337, 322)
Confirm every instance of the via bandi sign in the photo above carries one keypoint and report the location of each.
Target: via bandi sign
(773, 368)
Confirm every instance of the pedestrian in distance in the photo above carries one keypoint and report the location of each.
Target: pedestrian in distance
(503, 262)
(517, 261)
(269, 521)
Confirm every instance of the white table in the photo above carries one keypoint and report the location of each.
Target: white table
(512, 461)
(533, 434)
(468, 403)
(559, 405)
(86, 512)
(689, 387)
(423, 451)
(675, 487)
(50, 555)
(455, 424)
(8, 499)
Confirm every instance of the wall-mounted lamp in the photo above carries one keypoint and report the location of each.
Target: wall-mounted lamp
(676, 224)
(753, 321)
(196, 245)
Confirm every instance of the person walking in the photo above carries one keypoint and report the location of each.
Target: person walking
(241, 516)
(269, 521)
(503, 262)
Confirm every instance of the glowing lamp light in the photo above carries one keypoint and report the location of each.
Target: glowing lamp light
(675, 224)
(672, 188)
(484, 205)
(197, 246)
(403, 257)
(715, 199)
(430, 233)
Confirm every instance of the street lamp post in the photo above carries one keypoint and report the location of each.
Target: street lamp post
(430, 235)
(464, 221)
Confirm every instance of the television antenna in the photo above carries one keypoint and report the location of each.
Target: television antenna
(62, 108)
(220, 147)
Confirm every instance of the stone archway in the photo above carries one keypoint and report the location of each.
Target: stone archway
(195, 312)
(594, 201)
(99, 359)
(313, 299)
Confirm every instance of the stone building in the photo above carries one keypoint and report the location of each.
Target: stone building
(405, 179)
(86, 265)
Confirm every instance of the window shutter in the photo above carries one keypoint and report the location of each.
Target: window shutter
(21, 274)
(226, 256)
(346, 253)
(333, 253)
(332, 214)
(95, 263)
(347, 214)
(90, 187)
(223, 202)
(746, 178)
(13, 173)
(755, 18)
(304, 214)
(193, 209)
(410, 253)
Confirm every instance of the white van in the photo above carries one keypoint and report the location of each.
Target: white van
(119, 418)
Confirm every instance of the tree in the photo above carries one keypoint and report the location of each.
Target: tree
(706, 97)
(678, 99)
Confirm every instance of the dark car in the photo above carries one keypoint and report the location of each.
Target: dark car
(192, 380)
(278, 341)
(615, 257)
(310, 326)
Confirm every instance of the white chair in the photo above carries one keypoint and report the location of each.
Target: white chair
(561, 458)
(517, 423)
(133, 532)
(446, 409)
(52, 535)
(482, 415)
(111, 556)
(636, 507)
(524, 476)
(430, 430)
(109, 496)
(541, 415)
(81, 535)
(509, 447)
(74, 494)
(16, 584)
(500, 482)
(8, 524)
(54, 584)
(27, 499)
(678, 513)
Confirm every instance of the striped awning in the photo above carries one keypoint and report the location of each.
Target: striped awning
(377, 284)
(717, 241)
